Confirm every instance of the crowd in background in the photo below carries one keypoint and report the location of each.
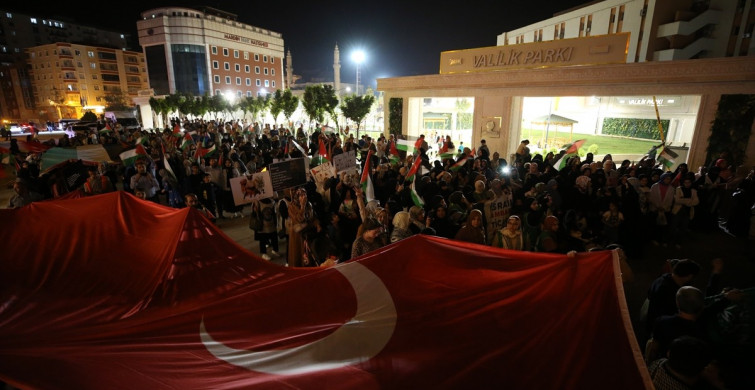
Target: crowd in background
(588, 204)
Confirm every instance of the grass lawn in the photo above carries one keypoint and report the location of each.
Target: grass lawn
(606, 143)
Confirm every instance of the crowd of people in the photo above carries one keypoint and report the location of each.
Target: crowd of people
(467, 194)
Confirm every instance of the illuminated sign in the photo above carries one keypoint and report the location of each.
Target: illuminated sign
(248, 41)
(603, 49)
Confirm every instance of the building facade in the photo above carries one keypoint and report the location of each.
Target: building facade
(69, 79)
(660, 30)
(209, 52)
(20, 31)
(591, 65)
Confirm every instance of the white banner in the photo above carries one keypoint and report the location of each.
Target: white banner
(345, 161)
(247, 188)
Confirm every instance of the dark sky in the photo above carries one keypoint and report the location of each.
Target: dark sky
(400, 38)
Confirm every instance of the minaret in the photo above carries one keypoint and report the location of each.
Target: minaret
(289, 70)
(337, 72)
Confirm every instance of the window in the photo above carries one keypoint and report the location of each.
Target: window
(90, 54)
(238, 68)
(247, 68)
(93, 65)
(265, 70)
(216, 78)
(225, 52)
(257, 69)
(272, 71)
(77, 52)
(226, 66)
(79, 64)
(256, 57)
(214, 50)
(264, 58)
(239, 93)
(215, 65)
(246, 55)
(235, 54)
(267, 83)
(227, 79)
(272, 60)
(273, 84)
(217, 92)
(248, 81)
(238, 80)
(248, 93)
(258, 83)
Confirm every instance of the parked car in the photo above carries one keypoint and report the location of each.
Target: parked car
(16, 127)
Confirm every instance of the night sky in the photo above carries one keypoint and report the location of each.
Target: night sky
(399, 38)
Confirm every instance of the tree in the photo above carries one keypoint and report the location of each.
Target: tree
(276, 106)
(357, 107)
(290, 104)
(117, 100)
(313, 103)
(330, 102)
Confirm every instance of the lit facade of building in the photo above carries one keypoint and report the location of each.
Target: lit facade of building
(592, 64)
(660, 30)
(69, 79)
(209, 52)
(20, 31)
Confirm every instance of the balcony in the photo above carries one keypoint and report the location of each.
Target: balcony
(687, 52)
(682, 27)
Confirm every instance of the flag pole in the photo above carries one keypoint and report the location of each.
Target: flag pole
(658, 118)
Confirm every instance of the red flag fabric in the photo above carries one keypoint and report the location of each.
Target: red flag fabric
(107, 303)
(574, 146)
(32, 147)
(415, 167)
(323, 151)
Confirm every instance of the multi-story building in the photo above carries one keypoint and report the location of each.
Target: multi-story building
(209, 51)
(69, 79)
(601, 62)
(20, 31)
(659, 30)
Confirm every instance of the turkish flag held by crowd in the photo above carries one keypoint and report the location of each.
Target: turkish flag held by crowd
(112, 292)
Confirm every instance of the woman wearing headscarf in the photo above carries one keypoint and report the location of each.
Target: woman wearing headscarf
(401, 229)
(472, 231)
(510, 237)
(302, 221)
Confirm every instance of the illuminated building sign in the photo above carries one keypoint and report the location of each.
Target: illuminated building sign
(604, 49)
(248, 41)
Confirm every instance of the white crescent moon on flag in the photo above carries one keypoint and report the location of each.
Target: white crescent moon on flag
(358, 340)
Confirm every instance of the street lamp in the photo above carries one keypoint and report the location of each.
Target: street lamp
(358, 58)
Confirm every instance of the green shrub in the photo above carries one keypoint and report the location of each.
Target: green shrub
(635, 128)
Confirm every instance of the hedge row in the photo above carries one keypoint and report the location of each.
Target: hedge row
(634, 128)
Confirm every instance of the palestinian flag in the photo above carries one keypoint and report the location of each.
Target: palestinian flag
(143, 140)
(415, 167)
(445, 152)
(130, 156)
(667, 157)
(205, 152)
(177, 130)
(473, 153)
(573, 147)
(169, 169)
(367, 188)
(393, 155)
(406, 145)
(418, 201)
(187, 141)
(323, 152)
(107, 129)
(459, 164)
(561, 162)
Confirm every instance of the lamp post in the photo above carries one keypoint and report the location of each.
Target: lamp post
(358, 58)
